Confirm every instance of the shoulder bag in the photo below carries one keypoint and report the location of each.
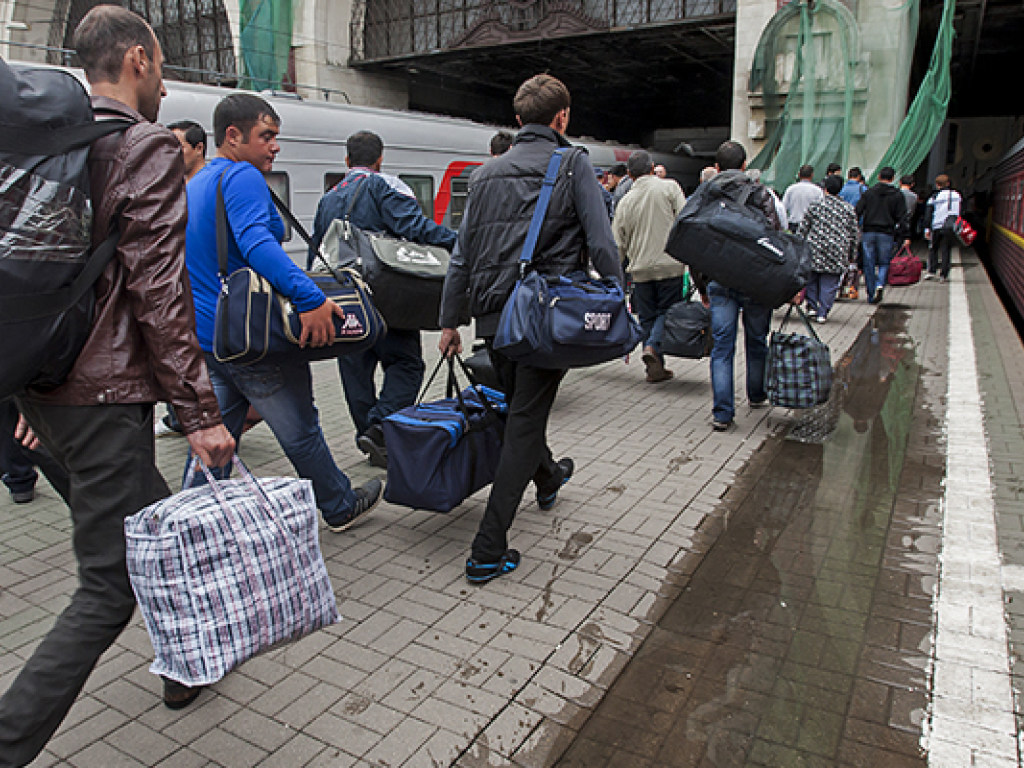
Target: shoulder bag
(254, 322)
(406, 277)
(563, 321)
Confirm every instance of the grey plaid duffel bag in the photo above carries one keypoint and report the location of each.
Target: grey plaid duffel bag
(227, 570)
(799, 370)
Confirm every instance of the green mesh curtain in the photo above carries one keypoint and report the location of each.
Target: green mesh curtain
(811, 115)
(265, 39)
(927, 113)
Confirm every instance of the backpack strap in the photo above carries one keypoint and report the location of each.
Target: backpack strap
(547, 187)
(58, 141)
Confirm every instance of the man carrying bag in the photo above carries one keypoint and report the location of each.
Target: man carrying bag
(483, 271)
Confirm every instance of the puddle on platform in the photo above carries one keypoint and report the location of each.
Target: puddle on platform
(792, 645)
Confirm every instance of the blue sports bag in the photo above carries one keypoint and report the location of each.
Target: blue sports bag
(441, 452)
(563, 321)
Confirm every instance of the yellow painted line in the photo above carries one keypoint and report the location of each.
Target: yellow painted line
(1013, 236)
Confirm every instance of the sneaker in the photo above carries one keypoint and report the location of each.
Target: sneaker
(367, 497)
(162, 428)
(23, 497)
(929, 275)
(656, 370)
(481, 573)
(371, 442)
(546, 500)
(821, 319)
(721, 426)
(758, 404)
(879, 292)
(943, 279)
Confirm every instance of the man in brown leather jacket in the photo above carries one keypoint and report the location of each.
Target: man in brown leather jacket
(142, 348)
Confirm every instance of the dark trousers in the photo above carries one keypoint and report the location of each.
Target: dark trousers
(17, 463)
(525, 454)
(109, 456)
(939, 252)
(400, 355)
(653, 299)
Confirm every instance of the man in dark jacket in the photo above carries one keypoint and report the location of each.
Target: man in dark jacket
(883, 217)
(381, 204)
(141, 348)
(726, 303)
(483, 271)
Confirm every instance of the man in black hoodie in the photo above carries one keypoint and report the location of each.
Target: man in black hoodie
(883, 217)
(483, 271)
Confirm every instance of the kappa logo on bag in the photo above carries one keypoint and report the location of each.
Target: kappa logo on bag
(352, 325)
(408, 255)
(597, 321)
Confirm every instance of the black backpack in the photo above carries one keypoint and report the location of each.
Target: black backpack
(47, 265)
(734, 244)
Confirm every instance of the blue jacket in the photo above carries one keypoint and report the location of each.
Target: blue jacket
(256, 230)
(851, 191)
(379, 207)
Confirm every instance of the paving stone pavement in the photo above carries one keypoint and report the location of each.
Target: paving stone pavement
(425, 670)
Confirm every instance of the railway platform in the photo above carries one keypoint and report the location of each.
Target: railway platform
(842, 586)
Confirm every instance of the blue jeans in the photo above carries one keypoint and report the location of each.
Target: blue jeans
(283, 396)
(652, 301)
(821, 292)
(725, 310)
(877, 253)
(401, 356)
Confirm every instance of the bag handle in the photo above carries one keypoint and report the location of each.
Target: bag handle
(547, 187)
(810, 328)
(452, 385)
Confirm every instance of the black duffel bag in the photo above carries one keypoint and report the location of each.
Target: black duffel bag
(406, 278)
(735, 245)
(687, 330)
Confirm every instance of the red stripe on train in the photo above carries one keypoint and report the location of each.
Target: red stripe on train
(444, 193)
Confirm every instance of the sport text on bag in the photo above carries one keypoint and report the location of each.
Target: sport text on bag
(47, 264)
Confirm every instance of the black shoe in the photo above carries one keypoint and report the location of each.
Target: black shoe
(367, 497)
(371, 442)
(879, 293)
(179, 696)
(546, 499)
(23, 497)
(481, 573)
(720, 426)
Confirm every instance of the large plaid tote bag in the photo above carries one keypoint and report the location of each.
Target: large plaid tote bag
(227, 570)
(799, 370)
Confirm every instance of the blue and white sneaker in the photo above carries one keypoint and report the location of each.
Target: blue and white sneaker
(481, 573)
(546, 499)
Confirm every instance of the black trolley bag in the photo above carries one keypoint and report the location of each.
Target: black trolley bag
(406, 278)
(441, 452)
(687, 329)
(48, 267)
(735, 245)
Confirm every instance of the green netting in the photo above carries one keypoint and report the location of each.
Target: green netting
(921, 126)
(810, 116)
(265, 40)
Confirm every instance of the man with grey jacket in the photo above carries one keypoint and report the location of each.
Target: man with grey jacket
(641, 226)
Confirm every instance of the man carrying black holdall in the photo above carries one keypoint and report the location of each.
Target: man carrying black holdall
(726, 303)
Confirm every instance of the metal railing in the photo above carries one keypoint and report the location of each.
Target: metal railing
(388, 29)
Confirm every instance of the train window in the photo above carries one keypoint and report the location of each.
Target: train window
(278, 181)
(460, 190)
(423, 188)
(331, 179)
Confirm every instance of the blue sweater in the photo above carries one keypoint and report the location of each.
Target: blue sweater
(257, 231)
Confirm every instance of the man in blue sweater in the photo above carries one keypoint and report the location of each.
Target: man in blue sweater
(377, 202)
(245, 132)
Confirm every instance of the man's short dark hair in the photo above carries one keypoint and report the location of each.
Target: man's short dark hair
(888, 173)
(833, 168)
(833, 184)
(730, 156)
(539, 99)
(364, 149)
(242, 110)
(855, 173)
(103, 37)
(619, 169)
(500, 142)
(907, 181)
(805, 172)
(639, 164)
(193, 132)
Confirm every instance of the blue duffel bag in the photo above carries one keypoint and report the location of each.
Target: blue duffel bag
(439, 453)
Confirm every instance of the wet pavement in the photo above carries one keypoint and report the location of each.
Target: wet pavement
(802, 638)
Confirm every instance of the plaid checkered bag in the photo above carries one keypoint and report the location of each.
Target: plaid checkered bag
(227, 570)
(799, 370)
